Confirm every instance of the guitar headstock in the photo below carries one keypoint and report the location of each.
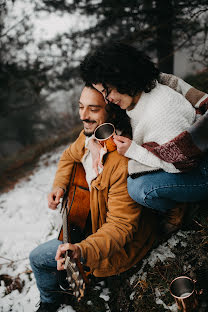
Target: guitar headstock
(76, 277)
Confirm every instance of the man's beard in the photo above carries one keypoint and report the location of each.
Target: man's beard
(88, 134)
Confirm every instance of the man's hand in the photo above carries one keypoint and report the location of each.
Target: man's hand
(75, 254)
(54, 197)
(95, 148)
(122, 143)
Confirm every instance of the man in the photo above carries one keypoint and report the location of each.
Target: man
(122, 232)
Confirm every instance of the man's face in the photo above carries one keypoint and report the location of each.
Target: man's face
(92, 110)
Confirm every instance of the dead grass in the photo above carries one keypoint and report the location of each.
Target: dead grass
(190, 260)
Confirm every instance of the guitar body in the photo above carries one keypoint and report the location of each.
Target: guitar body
(76, 227)
(77, 202)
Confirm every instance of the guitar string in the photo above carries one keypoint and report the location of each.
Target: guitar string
(66, 237)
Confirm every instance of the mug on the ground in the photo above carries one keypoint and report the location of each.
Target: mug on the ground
(182, 288)
(104, 134)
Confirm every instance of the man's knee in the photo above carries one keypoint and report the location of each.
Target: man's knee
(34, 256)
(37, 255)
(44, 254)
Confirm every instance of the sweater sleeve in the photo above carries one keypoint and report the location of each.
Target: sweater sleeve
(145, 157)
(175, 83)
(193, 95)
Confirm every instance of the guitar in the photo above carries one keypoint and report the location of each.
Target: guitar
(76, 226)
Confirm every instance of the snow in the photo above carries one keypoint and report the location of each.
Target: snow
(25, 222)
(159, 254)
(105, 294)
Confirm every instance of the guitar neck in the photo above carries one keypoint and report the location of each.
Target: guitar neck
(65, 224)
(75, 211)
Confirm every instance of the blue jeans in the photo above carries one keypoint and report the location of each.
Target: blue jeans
(43, 263)
(161, 190)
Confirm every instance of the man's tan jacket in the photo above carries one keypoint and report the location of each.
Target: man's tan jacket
(122, 230)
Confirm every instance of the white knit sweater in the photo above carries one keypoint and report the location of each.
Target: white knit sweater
(159, 116)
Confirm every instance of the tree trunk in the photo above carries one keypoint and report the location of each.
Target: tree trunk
(165, 51)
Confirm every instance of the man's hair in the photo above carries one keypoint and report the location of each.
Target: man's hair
(119, 118)
(122, 66)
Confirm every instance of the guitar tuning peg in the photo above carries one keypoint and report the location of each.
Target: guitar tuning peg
(73, 285)
(73, 264)
(75, 275)
(69, 279)
(81, 281)
(77, 294)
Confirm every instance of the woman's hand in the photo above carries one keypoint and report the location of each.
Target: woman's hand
(122, 143)
(75, 254)
(95, 148)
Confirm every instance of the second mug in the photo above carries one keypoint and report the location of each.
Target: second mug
(183, 290)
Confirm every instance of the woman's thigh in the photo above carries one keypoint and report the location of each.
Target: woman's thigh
(161, 190)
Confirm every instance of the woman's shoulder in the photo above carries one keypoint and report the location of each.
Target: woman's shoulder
(166, 90)
(163, 93)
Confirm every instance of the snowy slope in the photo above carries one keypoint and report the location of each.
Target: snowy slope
(25, 222)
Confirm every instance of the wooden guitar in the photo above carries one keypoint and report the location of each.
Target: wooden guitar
(76, 226)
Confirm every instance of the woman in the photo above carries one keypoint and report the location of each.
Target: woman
(165, 165)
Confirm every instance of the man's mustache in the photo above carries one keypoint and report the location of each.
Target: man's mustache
(88, 120)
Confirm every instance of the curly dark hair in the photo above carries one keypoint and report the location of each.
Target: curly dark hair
(119, 118)
(122, 66)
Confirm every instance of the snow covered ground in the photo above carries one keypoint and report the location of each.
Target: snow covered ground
(26, 221)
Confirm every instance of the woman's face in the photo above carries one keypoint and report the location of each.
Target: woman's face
(112, 95)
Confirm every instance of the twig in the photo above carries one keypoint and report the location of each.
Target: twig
(142, 284)
(163, 277)
(13, 26)
(27, 272)
(198, 223)
(11, 261)
(6, 258)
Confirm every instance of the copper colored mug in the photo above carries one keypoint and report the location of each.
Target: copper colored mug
(104, 135)
(183, 290)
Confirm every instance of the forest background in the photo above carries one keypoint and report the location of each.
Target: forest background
(42, 43)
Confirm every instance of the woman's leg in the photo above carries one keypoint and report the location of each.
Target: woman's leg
(43, 263)
(161, 190)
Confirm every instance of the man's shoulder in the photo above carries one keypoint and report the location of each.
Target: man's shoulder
(81, 138)
(77, 147)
